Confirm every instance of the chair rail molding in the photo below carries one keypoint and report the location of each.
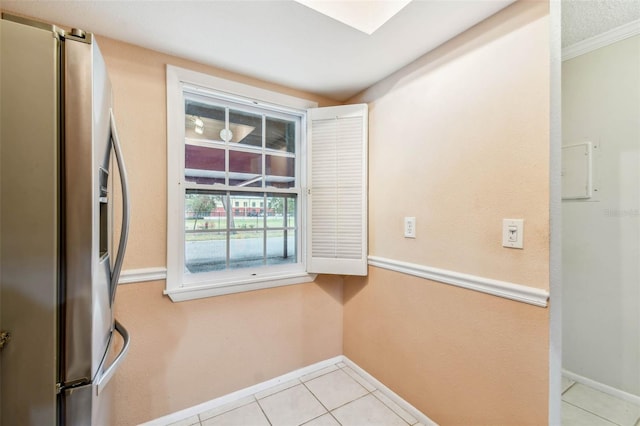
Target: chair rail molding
(144, 274)
(521, 293)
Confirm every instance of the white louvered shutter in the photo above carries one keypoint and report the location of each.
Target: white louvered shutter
(337, 211)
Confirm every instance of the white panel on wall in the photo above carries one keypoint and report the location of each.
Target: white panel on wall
(600, 241)
(576, 171)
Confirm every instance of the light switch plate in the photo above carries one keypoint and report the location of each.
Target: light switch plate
(409, 227)
(513, 233)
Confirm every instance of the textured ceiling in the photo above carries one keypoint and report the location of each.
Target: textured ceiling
(583, 19)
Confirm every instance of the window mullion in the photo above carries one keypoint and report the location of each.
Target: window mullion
(285, 233)
(264, 186)
(228, 230)
(226, 149)
(228, 194)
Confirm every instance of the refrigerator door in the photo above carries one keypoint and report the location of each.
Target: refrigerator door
(93, 401)
(29, 214)
(92, 265)
(87, 314)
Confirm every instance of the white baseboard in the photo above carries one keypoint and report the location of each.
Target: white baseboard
(626, 396)
(246, 392)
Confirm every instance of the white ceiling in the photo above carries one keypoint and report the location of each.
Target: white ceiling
(583, 19)
(278, 41)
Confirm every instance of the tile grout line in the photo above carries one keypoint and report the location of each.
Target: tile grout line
(330, 412)
(321, 375)
(262, 409)
(373, 393)
(394, 411)
(340, 406)
(339, 368)
(590, 412)
(360, 397)
(569, 388)
(314, 395)
(317, 399)
(226, 411)
(317, 417)
(280, 391)
(334, 418)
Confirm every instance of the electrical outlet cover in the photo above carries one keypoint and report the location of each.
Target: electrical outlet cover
(409, 227)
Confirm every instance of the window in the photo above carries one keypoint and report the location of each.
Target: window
(235, 153)
(239, 202)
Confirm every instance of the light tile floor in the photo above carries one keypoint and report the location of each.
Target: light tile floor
(332, 396)
(585, 406)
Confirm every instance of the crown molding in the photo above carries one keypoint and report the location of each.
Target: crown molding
(612, 36)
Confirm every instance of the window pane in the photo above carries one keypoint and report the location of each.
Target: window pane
(280, 135)
(205, 251)
(203, 121)
(246, 128)
(281, 247)
(281, 210)
(275, 211)
(291, 212)
(205, 231)
(201, 208)
(281, 171)
(245, 169)
(204, 165)
(246, 248)
(245, 216)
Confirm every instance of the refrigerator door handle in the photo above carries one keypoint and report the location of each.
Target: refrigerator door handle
(102, 381)
(124, 232)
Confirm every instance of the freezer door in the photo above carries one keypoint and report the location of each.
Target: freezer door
(87, 316)
(92, 404)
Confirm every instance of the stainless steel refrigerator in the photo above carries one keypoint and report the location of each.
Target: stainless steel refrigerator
(61, 169)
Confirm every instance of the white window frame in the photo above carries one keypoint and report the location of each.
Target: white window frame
(245, 279)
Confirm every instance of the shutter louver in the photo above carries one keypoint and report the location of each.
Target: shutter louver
(338, 198)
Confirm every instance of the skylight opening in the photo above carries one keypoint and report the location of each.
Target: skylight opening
(366, 16)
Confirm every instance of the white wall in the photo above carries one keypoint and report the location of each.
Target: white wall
(601, 236)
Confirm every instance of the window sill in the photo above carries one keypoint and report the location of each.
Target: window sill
(192, 292)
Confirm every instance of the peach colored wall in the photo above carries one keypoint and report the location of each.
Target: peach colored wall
(459, 356)
(460, 140)
(183, 354)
